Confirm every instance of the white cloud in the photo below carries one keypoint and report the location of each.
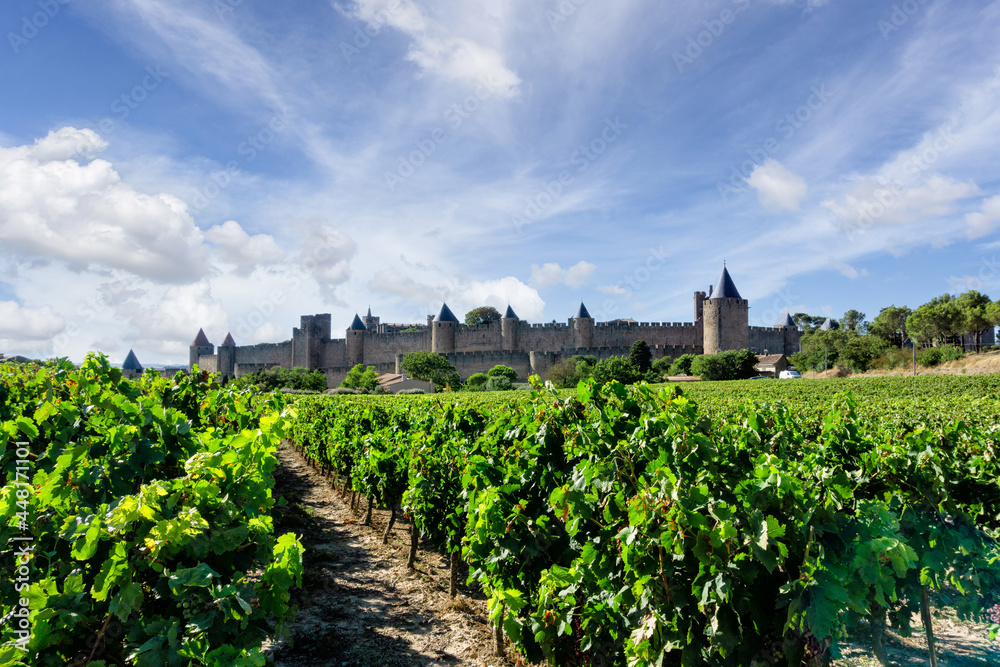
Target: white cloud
(32, 324)
(550, 274)
(614, 290)
(984, 221)
(777, 187)
(525, 300)
(245, 251)
(437, 49)
(327, 255)
(874, 203)
(52, 207)
(388, 281)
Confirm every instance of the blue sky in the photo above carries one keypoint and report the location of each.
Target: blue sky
(234, 164)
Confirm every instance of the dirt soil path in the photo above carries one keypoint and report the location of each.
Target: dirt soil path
(360, 605)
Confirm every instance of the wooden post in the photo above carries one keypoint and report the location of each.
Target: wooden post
(368, 514)
(925, 610)
(455, 560)
(498, 646)
(414, 539)
(392, 520)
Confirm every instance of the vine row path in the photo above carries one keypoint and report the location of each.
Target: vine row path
(360, 605)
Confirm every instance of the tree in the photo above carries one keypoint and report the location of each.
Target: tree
(641, 356)
(808, 322)
(854, 320)
(936, 321)
(976, 317)
(502, 371)
(482, 315)
(728, 365)
(890, 325)
(616, 368)
(360, 377)
(432, 367)
(569, 372)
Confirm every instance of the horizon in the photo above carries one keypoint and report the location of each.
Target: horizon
(166, 167)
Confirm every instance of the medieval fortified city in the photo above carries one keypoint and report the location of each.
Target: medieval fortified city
(721, 323)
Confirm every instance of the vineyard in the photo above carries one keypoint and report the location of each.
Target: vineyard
(137, 522)
(728, 524)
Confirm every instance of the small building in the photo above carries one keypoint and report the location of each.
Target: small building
(397, 382)
(771, 365)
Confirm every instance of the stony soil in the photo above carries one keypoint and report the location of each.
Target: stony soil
(361, 607)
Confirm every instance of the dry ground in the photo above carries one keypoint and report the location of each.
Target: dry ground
(984, 363)
(361, 607)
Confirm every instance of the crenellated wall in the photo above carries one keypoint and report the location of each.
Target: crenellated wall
(774, 340)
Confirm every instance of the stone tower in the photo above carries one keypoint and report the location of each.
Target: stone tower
(508, 329)
(371, 323)
(583, 328)
(443, 331)
(356, 342)
(200, 346)
(793, 336)
(726, 318)
(131, 368)
(227, 357)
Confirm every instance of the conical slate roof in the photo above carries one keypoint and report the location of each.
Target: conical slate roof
(201, 339)
(510, 314)
(446, 315)
(786, 321)
(369, 311)
(131, 363)
(726, 288)
(827, 325)
(582, 312)
(229, 342)
(357, 324)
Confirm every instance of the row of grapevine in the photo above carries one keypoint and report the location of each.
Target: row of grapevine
(620, 526)
(136, 520)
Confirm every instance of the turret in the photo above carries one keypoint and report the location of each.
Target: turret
(227, 357)
(583, 328)
(356, 342)
(443, 331)
(200, 346)
(371, 322)
(131, 368)
(508, 329)
(726, 317)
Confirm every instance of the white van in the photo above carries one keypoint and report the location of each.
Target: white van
(790, 374)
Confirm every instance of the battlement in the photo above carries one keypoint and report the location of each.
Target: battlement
(645, 325)
(548, 325)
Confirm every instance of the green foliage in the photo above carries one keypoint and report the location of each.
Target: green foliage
(360, 377)
(625, 527)
(854, 320)
(890, 325)
(149, 506)
(838, 347)
(640, 356)
(616, 369)
(569, 372)
(682, 365)
(729, 365)
(271, 379)
(431, 367)
(482, 315)
(499, 383)
(502, 371)
(476, 382)
(933, 356)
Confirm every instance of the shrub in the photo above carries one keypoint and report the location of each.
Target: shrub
(682, 365)
(270, 379)
(929, 357)
(568, 373)
(431, 367)
(503, 371)
(476, 382)
(893, 358)
(499, 383)
(951, 353)
(339, 391)
(410, 392)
